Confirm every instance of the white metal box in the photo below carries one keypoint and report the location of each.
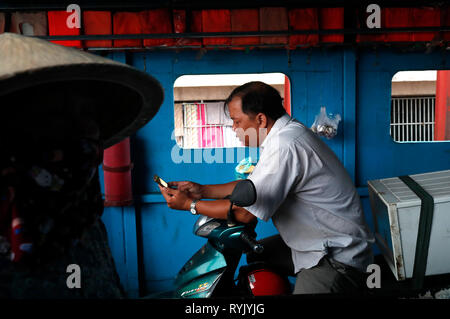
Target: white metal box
(396, 212)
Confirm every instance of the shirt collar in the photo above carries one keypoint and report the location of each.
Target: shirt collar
(279, 123)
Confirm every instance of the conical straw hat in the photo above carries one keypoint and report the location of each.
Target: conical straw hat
(123, 98)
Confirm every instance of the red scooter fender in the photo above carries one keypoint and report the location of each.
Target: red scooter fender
(259, 280)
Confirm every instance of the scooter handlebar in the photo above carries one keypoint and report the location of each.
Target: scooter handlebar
(252, 243)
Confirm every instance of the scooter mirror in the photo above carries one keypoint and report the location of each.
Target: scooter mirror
(244, 193)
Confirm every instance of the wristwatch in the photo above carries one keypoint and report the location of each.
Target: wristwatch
(193, 210)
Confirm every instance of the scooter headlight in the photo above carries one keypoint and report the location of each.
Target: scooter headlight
(206, 229)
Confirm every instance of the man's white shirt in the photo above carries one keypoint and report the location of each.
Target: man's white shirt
(305, 189)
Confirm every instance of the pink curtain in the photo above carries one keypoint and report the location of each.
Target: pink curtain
(210, 136)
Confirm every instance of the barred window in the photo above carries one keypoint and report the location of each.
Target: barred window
(204, 125)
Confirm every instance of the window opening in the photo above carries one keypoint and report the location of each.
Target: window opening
(200, 117)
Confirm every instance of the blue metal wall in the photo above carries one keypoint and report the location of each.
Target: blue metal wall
(150, 242)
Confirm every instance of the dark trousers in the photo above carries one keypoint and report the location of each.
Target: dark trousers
(328, 276)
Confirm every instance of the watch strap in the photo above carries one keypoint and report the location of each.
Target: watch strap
(193, 208)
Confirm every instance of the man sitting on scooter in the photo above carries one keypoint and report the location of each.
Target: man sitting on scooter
(324, 240)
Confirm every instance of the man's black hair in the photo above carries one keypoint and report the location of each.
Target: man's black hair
(259, 97)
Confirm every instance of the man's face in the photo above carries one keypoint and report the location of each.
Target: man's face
(250, 129)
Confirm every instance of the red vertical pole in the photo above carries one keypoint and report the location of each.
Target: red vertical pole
(287, 95)
(442, 107)
(2, 22)
(117, 174)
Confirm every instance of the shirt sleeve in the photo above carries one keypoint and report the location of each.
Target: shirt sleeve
(274, 176)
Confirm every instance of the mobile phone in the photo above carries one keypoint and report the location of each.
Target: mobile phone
(160, 181)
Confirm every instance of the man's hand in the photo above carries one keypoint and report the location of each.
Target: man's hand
(180, 200)
(193, 190)
(175, 198)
